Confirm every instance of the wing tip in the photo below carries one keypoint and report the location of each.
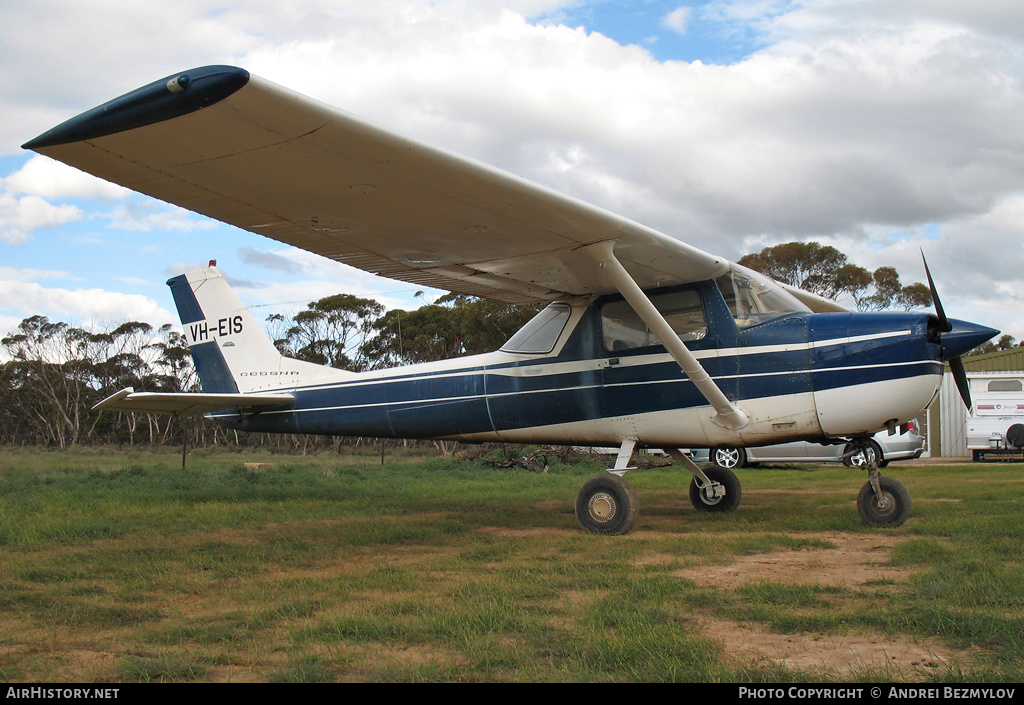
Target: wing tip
(173, 96)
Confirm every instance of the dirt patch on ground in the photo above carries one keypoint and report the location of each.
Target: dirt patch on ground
(853, 561)
(830, 654)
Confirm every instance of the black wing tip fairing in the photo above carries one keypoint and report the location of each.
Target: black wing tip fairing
(170, 97)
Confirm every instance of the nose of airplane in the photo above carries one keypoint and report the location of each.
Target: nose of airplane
(962, 337)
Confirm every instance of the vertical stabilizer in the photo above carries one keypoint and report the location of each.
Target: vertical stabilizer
(232, 353)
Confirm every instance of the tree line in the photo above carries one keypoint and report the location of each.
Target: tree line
(824, 270)
(55, 372)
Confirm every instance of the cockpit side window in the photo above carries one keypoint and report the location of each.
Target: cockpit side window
(754, 298)
(623, 329)
(541, 334)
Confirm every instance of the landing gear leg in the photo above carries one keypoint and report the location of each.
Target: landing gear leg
(607, 504)
(883, 501)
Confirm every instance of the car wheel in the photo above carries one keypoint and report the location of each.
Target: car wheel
(729, 457)
(859, 461)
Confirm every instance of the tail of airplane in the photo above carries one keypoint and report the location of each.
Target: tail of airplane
(238, 365)
(232, 353)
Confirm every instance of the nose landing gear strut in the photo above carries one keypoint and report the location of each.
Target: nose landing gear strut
(883, 501)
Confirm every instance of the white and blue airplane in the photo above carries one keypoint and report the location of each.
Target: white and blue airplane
(646, 341)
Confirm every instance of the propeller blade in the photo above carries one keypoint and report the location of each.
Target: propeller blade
(944, 324)
(956, 366)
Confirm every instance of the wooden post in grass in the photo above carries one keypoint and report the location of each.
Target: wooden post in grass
(184, 440)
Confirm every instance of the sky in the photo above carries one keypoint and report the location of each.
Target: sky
(880, 128)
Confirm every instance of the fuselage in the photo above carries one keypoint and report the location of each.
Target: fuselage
(589, 376)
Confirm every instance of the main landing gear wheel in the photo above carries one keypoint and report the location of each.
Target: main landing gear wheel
(713, 499)
(607, 504)
(891, 509)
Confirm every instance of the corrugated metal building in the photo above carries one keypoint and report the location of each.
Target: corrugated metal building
(947, 417)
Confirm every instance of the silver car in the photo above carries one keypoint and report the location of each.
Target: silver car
(901, 446)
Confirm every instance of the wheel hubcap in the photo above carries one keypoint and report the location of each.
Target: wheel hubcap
(707, 495)
(602, 507)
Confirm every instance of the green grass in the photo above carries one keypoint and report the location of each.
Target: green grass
(124, 567)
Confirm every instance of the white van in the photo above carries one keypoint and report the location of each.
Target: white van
(998, 406)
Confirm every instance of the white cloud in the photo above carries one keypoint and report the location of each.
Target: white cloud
(27, 199)
(11, 273)
(8, 324)
(677, 20)
(94, 306)
(147, 215)
(20, 217)
(269, 260)
(55, 181)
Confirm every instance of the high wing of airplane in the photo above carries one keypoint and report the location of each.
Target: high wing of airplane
(646, 341)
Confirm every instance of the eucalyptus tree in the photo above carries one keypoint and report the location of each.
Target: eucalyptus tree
(824, 270)
(330, 331)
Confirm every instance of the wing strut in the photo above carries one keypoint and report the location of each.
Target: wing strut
(727, 415)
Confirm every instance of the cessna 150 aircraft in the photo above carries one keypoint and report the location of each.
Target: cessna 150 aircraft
(646, 341)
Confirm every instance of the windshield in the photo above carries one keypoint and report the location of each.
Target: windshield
(754, 298)
(541, 333)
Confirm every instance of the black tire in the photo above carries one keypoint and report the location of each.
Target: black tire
(733, 491)
(858, 461)
(898, 503)
(1015, 435)
(728, 457)
(607, 504)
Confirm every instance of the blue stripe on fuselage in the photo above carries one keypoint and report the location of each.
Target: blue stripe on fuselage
(834, 350)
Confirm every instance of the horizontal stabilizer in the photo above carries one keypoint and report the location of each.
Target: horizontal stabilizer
(185, 403)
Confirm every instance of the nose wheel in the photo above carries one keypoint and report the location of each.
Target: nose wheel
(883, 501)
(889, 505)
